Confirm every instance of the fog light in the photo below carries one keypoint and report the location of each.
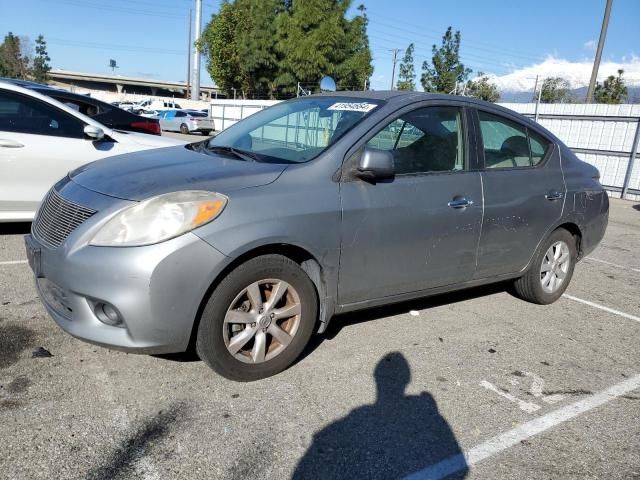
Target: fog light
(107, 314)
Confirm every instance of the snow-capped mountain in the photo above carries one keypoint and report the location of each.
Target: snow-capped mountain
(519, 84)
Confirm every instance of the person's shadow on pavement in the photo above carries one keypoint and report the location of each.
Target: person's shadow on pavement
(396, 436)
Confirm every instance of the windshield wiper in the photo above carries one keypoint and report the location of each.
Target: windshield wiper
(241, 154)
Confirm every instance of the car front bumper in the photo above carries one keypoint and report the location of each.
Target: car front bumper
(156, 290)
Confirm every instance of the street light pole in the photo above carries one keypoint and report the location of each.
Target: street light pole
(596, 62)
(195, 89)
(188, 57)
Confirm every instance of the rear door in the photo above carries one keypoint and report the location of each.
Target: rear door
(523, 192)
(420, 229)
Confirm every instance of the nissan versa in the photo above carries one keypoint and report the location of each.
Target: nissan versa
(247, 243)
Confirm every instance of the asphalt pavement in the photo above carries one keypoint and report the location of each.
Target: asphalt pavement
(477, 384)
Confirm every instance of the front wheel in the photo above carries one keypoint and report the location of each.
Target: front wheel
(551, 270)
(258, 320)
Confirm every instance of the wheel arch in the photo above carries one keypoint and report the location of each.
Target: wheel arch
(307, 261)
(576, 232)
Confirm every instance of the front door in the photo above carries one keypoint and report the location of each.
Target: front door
(420, 229)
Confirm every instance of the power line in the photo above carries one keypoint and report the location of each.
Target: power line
(402, 24)
(98, 6)
(111, 46)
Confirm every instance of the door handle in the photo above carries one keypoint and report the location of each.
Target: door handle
(10, 143)
(554, 196)
(460, 203)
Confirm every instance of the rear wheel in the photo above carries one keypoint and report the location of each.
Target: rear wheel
(184, 129)
(551, 270)
(258, 320)
(206, 133)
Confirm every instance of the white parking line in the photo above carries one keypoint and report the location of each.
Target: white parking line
(602, 307)
(526, 406)
(501, 442)
(13, 262)
(622, 267)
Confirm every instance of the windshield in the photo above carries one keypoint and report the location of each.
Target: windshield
(295, 131)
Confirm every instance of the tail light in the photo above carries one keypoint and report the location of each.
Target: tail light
(150, 127)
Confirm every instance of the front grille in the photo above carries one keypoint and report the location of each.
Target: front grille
(57, 218)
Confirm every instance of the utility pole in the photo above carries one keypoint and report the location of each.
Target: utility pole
(538, 100)
(393, 72)
(188, 57)
(195, 89)
(596, 62)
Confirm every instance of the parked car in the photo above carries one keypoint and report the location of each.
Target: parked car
(251, 241)
(186, 121)
(156, 105)
(41, 139)
(100, 111)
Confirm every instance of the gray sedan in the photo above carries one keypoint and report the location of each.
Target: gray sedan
(186, 121)
(246, 244)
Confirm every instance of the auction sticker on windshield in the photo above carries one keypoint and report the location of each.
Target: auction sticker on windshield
(353, 106)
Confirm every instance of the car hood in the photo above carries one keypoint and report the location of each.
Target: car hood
(140, 175)
(144, 139)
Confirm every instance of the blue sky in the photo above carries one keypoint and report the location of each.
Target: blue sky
(148, 38)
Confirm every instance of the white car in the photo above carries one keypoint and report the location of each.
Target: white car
(42, 139)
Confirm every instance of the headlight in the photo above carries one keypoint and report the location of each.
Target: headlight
(160, 218)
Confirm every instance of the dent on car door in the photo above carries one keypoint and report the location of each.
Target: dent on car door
(45, 143)
(523, 193)
(419, 229)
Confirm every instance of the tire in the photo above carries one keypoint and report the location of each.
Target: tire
(531, 286)
(206, 133)
(262, 355)
(184, 129)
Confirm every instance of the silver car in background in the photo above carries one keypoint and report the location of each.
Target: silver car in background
(187, 121)
(246, 244)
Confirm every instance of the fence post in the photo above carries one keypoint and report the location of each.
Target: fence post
(632, 158)
(223, 117)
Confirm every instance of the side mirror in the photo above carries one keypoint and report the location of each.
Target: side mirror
(375, 164)
(94, 133)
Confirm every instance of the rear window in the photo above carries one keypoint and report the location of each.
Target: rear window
(508, 144)
(198, 114)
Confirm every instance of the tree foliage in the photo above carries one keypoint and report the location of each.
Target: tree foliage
(13, 63)
(407, 74)
(555, 90)
(41, 61)
(613, 90)
(446, 70)
(265, 47)
(481, 87)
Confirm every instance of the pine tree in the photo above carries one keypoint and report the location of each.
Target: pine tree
(315, 39)
(256, 46)
(13, 64)
(446, 70)
(613, 90)
(41, 61)
(407, 74)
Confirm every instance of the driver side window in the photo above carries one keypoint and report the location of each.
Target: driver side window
(22, 114)
(425, 140)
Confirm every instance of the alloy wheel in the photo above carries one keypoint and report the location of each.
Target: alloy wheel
(262, 320)
(555, 266)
